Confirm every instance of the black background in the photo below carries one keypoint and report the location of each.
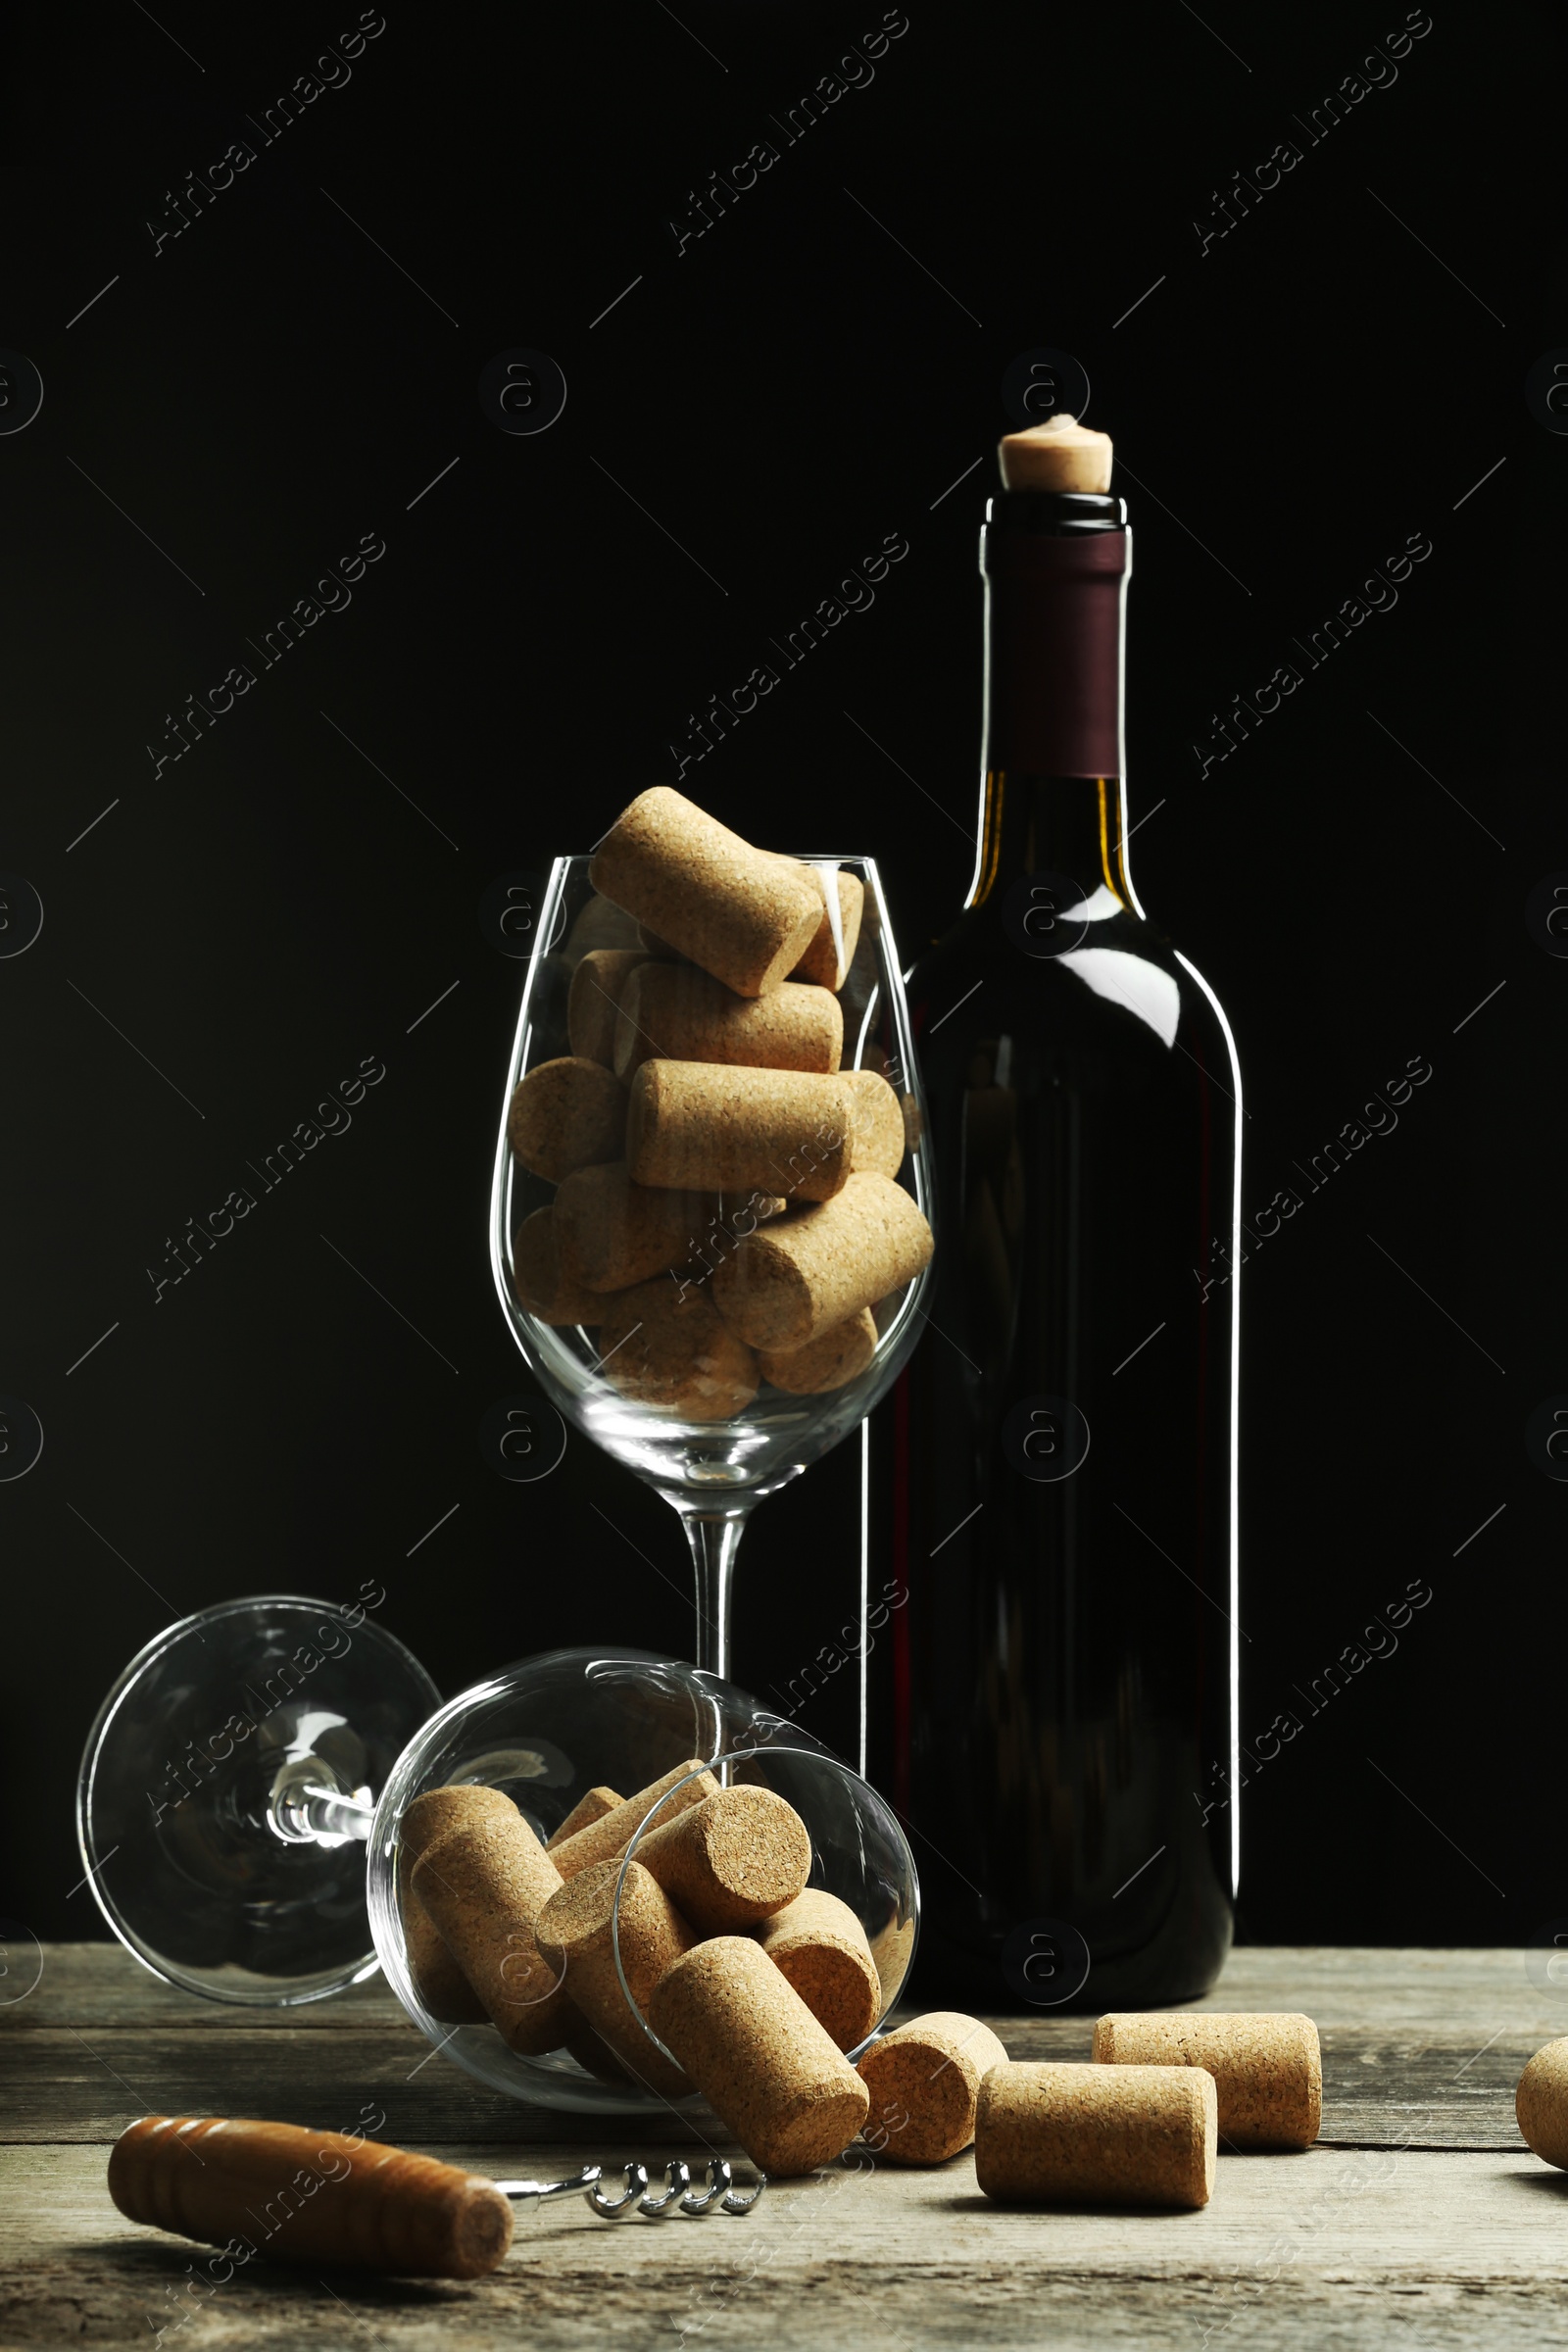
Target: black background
(243, 926)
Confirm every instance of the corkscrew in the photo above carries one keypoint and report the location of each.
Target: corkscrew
(296, 2195)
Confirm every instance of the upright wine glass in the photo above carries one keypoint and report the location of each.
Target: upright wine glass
(712, 1472)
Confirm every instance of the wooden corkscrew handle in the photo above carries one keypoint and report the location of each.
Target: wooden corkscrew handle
(296, 2195)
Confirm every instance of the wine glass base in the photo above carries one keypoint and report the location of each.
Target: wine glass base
(193, 1802)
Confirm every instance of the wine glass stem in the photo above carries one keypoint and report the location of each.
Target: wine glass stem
(715, 1539)
(308, 1801)
(331, 1814)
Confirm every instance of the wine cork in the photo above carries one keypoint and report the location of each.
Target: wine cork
(708, 1129)
(430, 1816)
(819, 1266)
(831, 1360)
(541, 1280)
(822, 962)
(578, 1925)
(730, 1220)
(443, 1988)
(1059, 455)
(673, 1351)
(594, 2055)
(759, 2056)
(818, 1942)
(1267, 2069)
(1096, 2135)
(730, 1861)
(438, 1980)
(615, 1233)
(485, 1883)
(1540, 2103)
(673, 1012)
(893, 1948)
(924, 2082)
(878, 1141)
(566, 1114)
(590, 1807)
(576, 1931)
(729, 907)
(598, 986)
(614, 1830)
(599, 924)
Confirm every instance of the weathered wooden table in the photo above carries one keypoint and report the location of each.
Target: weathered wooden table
(1419, 2219)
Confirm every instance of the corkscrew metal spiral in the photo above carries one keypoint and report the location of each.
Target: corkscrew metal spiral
(677, 2196)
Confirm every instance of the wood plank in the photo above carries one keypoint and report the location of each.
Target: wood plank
(1327, 2250)
(1350, 1984)
(66, 2084)
(101, 1983)
(101, 2042)
(86, 1984)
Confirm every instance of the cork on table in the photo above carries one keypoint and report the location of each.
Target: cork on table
(1418, 2219)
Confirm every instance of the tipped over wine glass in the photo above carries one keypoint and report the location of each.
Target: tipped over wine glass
(240, 1811)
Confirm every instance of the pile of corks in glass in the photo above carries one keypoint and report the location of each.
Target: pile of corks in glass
(754, 1984)
(727, 1211)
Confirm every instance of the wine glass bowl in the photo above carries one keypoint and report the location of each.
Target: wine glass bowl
(552, 1727)
(713, 1444)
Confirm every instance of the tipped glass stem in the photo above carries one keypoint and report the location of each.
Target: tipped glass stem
(715, 1539)
(310, 1806)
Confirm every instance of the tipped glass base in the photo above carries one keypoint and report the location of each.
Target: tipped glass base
(227, 1792)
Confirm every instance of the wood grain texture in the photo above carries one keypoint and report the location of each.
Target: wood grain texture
(1437, 2044)
(94, 1983)
(99, 1983)
(1419, 2219)
(1326, 2250)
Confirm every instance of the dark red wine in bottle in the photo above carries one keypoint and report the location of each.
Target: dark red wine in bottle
(1054, 1686)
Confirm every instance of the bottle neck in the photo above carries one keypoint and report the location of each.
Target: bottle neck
(1074, 826)
(1055, 568)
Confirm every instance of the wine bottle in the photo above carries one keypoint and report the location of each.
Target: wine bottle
(1055, 1680)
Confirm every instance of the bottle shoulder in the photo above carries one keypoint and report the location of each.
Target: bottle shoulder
(1101, 971)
